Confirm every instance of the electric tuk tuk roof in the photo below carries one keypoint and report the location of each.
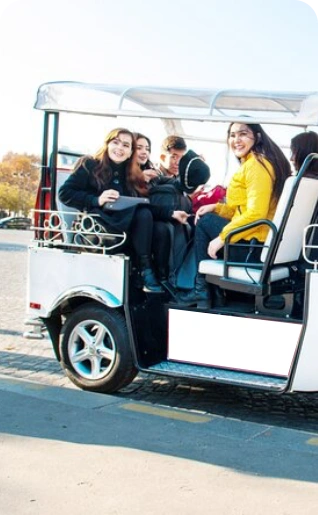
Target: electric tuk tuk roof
(204, 104)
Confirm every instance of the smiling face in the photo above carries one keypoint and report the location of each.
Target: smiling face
(142, 151)
(241, 139)
(120, 148)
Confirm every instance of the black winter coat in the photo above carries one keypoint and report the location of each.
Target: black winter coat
(81, 191)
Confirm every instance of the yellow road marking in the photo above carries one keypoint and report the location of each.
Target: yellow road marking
(33, 386)
(167, 413)
(312, 441)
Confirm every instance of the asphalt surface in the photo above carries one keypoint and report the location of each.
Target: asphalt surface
(66, 451)
(159, 446)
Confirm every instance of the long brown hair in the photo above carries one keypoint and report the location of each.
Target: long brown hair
(148, 163)
(265, 147)
(134, 178)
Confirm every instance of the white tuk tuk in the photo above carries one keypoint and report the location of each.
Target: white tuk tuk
(81, 286)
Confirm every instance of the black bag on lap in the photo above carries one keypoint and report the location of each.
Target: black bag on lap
(166, 192)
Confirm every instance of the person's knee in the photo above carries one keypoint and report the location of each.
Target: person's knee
(206, 220)
(161, 230)
(143, 215)
(203, 225)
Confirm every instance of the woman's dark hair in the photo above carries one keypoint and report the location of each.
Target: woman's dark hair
(135, 181)
(301, 146)
(148, 164)
(138, 135)
(265, 147)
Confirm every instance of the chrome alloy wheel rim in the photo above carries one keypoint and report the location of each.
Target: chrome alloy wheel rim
(92, 350)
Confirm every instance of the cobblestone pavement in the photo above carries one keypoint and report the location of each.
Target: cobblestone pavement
(34, 360)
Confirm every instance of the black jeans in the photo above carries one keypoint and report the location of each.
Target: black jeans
(141, 231)
(209, 227)
(150, 237)
(161, 244)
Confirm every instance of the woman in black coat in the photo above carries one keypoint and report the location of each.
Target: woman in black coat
(113, 171)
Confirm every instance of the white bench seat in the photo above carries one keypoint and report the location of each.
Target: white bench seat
(243, 273)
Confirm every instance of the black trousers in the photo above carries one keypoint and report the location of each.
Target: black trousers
(209, 227)
(150, 237)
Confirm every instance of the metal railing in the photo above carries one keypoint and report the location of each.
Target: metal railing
(74, 230)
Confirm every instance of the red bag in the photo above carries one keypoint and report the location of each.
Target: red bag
(202, 198)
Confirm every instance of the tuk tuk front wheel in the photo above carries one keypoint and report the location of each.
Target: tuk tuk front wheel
(95, 350)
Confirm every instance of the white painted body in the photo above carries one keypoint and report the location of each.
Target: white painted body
(305, 375)
(65, 274)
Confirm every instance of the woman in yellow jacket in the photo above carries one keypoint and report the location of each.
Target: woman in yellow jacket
(252, 195)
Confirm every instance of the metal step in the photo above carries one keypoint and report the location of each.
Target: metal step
(219, 375)
(38, 330)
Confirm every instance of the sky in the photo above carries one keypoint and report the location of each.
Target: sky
(251, 44)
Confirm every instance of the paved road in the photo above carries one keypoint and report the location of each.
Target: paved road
(34, 360)
(67, 451)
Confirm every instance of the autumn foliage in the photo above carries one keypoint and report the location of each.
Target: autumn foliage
(19, 179)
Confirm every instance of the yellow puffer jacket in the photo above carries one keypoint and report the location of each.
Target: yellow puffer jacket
(249, 199)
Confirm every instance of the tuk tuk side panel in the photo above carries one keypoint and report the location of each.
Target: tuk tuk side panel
(53, 274)
(237, 343)
(305, 375)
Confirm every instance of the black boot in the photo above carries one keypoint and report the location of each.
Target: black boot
(199, 296)
(149, 281)
(219, 297)
(163, 274)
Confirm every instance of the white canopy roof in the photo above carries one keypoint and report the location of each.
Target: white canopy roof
(287, 108)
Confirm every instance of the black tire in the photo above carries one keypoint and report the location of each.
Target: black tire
(95, 350)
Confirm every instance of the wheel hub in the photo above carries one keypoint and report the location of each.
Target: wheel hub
(92, 351)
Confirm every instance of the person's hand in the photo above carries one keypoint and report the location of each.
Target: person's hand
(180, 216)
(108, 196)
(203, 210)
(150, 174)
(214, 246)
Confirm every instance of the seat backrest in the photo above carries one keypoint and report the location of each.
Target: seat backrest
(300, 215)
(67, 214)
